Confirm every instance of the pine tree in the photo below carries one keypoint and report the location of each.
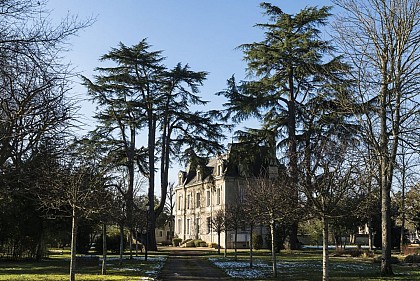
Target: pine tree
(289, 66)
(140, 94)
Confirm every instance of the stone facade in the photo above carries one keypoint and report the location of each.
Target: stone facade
(204, 189)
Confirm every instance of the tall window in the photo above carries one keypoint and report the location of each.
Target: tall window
(198, 226)
(198, 203)
(208, 198)
(188, 226)
(188, 201)
(179, 226)
(218, 196)
(208, 224)
(179, 201)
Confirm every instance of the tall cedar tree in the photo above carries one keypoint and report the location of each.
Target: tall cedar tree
(287, 66)
(381, 39)
(140, 93)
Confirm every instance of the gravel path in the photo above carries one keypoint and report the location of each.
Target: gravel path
(190, 265)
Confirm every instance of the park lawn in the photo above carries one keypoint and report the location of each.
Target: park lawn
(56, 268)
(307, 265)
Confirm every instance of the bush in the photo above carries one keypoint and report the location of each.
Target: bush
(166, 243)
(176, 241)
(198, 242)
(368, 254)
(112, 243)
(412, 259)
(378, 259)
(212, 245)
(257, 242)
(83, 242)
(339, 252)
(355, 252)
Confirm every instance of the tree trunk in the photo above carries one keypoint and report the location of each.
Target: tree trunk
(164, 166)
(151, 245)
(250, 246)
(370, 234)
(40, 244)
(73, 245)
(293, 162)
(403, 173)
(104, 249)
(121, 243)
(386, 268)
(325, 256)
(130, 189)
(218, 242)
(273, 252)
(130, 243)
(236, 241)
(137, 242)
(226, 242)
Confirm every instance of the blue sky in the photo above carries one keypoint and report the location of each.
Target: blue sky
(203, 34)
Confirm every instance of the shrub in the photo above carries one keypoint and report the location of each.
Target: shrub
(197, 242)
(339, 252)
(83, 242)
(368, 254)
(166, 243)
(378, 259)
(257, 242)
(212, 245)
(112, 243)
(189, 244)
(412, 259)
(354, 252)
(176, 241)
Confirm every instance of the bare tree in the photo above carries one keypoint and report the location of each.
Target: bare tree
(381, 40)
(406, 166)
(218, 221)
(272, 201)
(235, 219)
(34, 81)
(170, 206)
(76, 188)
(328, 189)
(413, 207)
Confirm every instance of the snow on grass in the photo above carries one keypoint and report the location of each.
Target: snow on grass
(241, 269)
(263, 268)
(154, 266)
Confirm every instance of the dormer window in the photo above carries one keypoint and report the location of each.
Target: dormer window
(198, 175)
(180, 178)
(219, 169)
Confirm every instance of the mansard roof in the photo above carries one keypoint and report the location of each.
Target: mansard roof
(241, 160)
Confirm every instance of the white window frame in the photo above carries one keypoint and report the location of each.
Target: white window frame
(208, 198)
(198, 200)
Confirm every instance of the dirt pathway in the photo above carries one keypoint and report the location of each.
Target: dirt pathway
(189, 264)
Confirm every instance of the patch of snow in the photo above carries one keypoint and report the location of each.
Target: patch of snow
(241, 269)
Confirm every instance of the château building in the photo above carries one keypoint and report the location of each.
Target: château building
(208, 186)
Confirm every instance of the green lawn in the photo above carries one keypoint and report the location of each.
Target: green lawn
(292, 265)
(56, 268)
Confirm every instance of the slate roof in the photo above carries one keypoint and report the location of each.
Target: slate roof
(242, 159)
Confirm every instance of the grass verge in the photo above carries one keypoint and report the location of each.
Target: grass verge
(56, 268)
